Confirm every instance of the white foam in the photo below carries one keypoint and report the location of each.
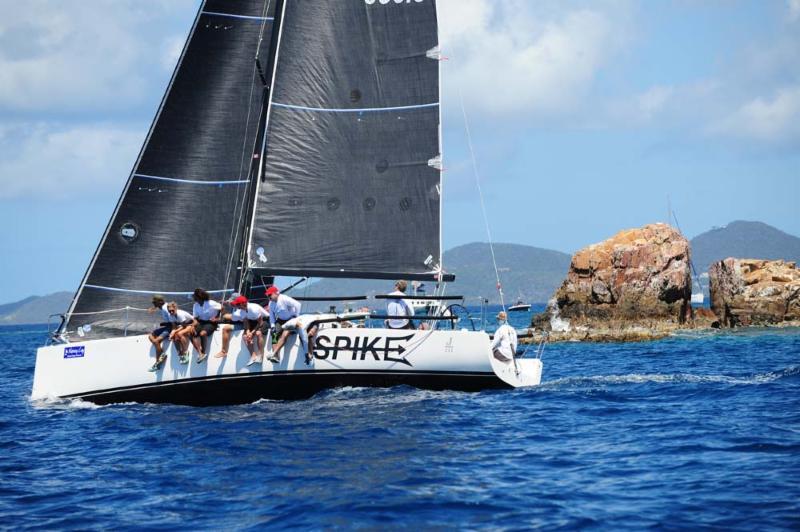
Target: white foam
(557, 323)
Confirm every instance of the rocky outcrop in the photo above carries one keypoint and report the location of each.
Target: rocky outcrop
(755, 292)
(638, 278)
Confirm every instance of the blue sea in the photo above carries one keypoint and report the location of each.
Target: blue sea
(695, 432)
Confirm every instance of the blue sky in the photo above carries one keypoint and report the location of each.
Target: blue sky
(586, 117)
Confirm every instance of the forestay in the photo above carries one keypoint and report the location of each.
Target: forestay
(178, 222)
(352, 180)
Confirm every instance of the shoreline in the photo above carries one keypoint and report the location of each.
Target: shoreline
(640, 334)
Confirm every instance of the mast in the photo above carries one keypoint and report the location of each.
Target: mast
(243, 281)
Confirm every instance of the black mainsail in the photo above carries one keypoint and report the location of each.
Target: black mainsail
(178, 224)
(353, 166)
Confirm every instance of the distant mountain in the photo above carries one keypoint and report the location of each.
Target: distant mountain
(34, 309)
(748, 240)
(533, 273)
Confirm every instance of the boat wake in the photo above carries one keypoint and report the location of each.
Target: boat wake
(680, 378)
(57, 403)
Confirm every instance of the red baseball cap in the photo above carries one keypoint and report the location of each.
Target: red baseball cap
(272, 290)
(241, 300)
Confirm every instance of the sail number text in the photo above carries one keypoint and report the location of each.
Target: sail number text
(384, 2)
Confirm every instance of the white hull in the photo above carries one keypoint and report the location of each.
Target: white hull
(116, 370)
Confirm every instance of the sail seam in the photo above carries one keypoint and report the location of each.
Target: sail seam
(231, 15)
(361, 110)
(191, 181)
(126, 290)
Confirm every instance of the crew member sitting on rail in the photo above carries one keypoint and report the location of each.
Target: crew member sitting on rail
(252, 318)
(298, 325)
(282, 308)
(161, 332)
(399, 307)
(206, 316)
(504, 345)
(182, 325)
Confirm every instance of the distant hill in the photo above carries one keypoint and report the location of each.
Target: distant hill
(34, 309)
(754, 240)
(534, 273)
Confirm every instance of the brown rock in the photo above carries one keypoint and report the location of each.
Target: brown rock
(637, 276)
(755, 292)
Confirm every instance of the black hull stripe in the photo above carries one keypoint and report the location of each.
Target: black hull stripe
(218, 390)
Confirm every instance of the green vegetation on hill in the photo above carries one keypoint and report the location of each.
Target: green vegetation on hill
(532, 272)
(34, 309)
(744, 240)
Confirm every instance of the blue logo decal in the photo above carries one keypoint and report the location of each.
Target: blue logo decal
(75, 352)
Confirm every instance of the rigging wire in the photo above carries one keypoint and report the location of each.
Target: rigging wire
(691, 262)
(236, 220)
(480, 194)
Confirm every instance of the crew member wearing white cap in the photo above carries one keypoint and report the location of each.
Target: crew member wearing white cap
(504, 345)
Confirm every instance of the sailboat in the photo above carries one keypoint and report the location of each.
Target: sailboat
(295, 139)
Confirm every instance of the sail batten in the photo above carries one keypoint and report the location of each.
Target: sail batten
(355, 110)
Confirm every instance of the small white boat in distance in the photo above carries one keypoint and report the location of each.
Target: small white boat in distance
(519, 306)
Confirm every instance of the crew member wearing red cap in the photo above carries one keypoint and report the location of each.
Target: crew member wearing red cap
(282, 308)
(252, 318)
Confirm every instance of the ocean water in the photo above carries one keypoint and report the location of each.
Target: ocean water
(696, 432)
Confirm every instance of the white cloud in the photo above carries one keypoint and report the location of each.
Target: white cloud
(82, 56)
(767, 119)
(518, 57)
(794, 9)
(53, 160)
(172, 51)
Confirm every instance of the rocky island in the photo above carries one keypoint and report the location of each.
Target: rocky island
(634, 286)
(747, 292)
(637, 286)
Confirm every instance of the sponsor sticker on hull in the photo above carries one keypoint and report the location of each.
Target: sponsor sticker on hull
(75, 351)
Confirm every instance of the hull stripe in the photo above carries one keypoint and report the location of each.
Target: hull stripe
(246, 387)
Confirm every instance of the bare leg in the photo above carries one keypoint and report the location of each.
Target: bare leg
(226, 341)
(281, 341)
(197, 343)
(260, 343)
(249, 341)
(157, 343)
(181, 340)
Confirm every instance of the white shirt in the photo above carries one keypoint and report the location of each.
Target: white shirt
(284, 309)
(166, 317)
(252, 313)
(181, 316)
(398, 307)
(505, 341)
(208, 310)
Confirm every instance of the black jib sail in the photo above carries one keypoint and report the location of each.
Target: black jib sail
(178, 224)
(352, 181)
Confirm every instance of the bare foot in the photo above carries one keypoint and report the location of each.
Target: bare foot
(221, 354)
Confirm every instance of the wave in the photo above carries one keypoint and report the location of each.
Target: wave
(658, 378)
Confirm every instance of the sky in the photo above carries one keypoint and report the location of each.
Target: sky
(587, 117)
